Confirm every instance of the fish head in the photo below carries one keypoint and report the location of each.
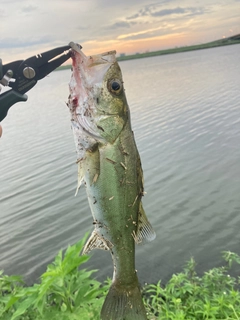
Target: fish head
(97, 100)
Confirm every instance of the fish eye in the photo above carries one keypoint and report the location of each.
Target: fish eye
(115, 86)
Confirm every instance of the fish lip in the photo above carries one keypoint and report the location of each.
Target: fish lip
(92, 60)
(107, 53)
(101, 58)
(77, 47)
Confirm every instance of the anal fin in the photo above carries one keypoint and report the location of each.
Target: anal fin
(96, 242)
(145, 232)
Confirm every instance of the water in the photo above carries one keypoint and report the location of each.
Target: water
(185, 115)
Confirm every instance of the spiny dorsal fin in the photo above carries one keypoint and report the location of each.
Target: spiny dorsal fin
(145, 232)
(96, 242)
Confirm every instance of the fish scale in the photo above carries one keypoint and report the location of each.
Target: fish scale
(110, 168)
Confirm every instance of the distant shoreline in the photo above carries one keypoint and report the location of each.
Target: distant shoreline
(214, 44)
(177, 50)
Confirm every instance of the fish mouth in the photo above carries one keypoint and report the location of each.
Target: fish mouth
(102, 58)
(94, 60)
(85, 86)
(90, 70)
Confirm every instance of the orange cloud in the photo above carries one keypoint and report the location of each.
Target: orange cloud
(136, 45)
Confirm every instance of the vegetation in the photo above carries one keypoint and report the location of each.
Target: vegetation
(66, 292)
(218, 43)
(222, 42)
(215, 295)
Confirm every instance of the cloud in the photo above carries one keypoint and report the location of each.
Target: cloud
(167, 12)
(142, 12)
(28, 8)
(153, 11)
(137, 36)
(134, 16)
(148, 33)
(145, 11)
(2, 13)
(41, 25)
(120, 24)
(9, 43)
(9, 2)
(178, 10)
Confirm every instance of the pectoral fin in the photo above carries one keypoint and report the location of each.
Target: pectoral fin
(88, 168)
(80, 175)
(145, 232)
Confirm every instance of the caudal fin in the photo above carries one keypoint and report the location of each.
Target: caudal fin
(123, 303)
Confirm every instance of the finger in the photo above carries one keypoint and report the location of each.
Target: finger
(0, 131)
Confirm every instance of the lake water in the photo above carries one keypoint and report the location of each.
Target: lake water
(185, 111)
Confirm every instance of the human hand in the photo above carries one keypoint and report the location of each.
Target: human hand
(0, 131)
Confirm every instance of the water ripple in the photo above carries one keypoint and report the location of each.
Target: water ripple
(185, 115)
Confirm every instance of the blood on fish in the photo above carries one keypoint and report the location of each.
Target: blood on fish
(75, 101)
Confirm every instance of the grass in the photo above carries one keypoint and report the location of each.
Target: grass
(66, 292)
(215, 295)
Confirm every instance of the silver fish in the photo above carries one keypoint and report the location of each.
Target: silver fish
(110, 168)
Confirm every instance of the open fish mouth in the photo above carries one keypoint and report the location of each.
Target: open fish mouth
(85, 86)
(106, 57)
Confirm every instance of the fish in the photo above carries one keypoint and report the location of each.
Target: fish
(109, 166)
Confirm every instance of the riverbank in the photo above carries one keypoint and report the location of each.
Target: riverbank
(67, 293)
(179, 49)
(218, 43)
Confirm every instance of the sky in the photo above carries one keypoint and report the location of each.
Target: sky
(128, 26)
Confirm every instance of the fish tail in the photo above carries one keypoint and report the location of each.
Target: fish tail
(123, 303)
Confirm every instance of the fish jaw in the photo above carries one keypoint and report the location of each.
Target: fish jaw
(87, 86)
